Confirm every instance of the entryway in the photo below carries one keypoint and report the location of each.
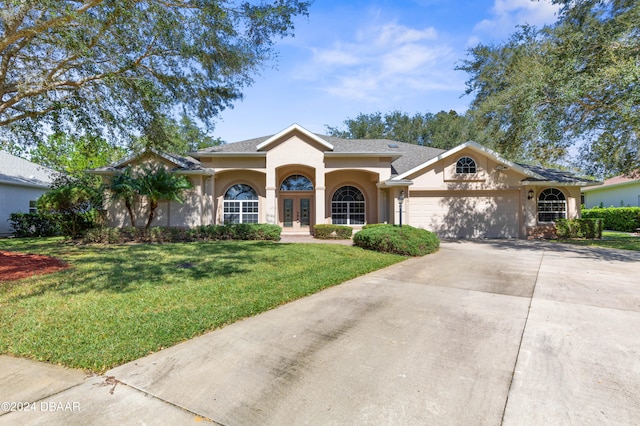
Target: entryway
(296, 214)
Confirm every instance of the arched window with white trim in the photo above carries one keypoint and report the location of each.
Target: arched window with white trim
(348, 206)
(240, 204)
(466, 165)
(552, 205)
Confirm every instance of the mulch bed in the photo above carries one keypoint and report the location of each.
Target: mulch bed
(15, 266)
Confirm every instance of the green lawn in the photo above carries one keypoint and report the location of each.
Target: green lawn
(121, 302)
(611, 240)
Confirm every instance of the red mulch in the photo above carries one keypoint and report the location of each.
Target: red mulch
(14, 266)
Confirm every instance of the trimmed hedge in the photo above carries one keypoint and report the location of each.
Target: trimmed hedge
(408, 241)
(159, 234)
(328, 232)
(623, 219)
(579, 228)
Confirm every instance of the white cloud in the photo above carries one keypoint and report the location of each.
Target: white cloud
(381, 61)
(507, 14)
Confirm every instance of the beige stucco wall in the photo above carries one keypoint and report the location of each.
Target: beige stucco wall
(194, 211)
(489, 203)
(365, 181)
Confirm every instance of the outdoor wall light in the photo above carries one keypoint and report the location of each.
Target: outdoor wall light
(530, 194)
(400, 200)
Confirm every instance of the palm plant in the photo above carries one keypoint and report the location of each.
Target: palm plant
(159, 184)
(124, 186)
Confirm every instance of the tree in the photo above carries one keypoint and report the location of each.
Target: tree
(75, 198)
(159, 184)
(123, 186)
(574, 84)
(176, 137)
(442, 130)
(74, 155)
(122, 67)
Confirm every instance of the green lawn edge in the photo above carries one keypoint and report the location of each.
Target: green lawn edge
(610, 239)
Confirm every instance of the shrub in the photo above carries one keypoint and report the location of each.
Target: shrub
(36, 224)
(623, 219)
(579, 228)
(159, 234)
(327, 232)
(407, 240)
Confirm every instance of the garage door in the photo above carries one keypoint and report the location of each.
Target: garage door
(489, 214)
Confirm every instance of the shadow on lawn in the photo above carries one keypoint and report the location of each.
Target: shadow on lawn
(124, 268)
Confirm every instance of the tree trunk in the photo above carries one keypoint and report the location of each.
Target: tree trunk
(153, 205)
(130, 210)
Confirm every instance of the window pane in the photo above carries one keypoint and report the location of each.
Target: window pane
(552, 205)
(240, 192)
(466, 165)
(296, 183)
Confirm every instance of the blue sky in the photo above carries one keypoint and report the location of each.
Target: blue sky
(352, 57)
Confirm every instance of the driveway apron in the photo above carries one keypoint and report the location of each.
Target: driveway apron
(479, 333)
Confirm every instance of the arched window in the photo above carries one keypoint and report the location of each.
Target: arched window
(348, 206)
(240, 204)
(466, 165)
(552, 205)
(296, 183)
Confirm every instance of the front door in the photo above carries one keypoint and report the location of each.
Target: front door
(296, 214)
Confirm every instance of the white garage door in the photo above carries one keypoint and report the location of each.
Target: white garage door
(488, 214)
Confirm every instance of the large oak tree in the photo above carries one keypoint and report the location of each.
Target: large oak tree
(570, 86)
(125, 66)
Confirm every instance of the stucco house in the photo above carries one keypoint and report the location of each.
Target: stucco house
(619, 191)
(21, 184)
(298, 179)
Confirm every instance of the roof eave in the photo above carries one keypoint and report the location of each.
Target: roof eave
(555, 182)
(391, 183)
(227, 154)
(601, 186)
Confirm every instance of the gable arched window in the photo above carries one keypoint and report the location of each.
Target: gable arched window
(552, 205)
(240, 204)
(348, 206)
(466, 165)
(296, 183)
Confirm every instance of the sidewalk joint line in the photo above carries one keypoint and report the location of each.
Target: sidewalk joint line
(524, 328)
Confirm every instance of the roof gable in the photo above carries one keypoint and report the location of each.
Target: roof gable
(292, 129)
(474, 146)
(532, 174)
(180, 163)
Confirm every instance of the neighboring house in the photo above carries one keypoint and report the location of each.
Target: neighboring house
(298, 179)
(21, 184)
(619, 191)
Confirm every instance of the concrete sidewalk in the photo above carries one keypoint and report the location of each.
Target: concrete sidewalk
(513, 332)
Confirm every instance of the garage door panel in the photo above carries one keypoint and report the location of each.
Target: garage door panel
(467, 215)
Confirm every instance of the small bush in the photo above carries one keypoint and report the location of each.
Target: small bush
(408, 241)
(159, 234)
(36, 224)
(328, 232)
(579, 228)
(622, 219)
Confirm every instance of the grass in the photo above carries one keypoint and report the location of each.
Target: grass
(611, 239)
(120, 302)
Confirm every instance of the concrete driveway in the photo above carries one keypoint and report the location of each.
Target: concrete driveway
(480, 333)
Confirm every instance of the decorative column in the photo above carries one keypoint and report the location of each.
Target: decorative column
(320, 197)
(271, 211)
